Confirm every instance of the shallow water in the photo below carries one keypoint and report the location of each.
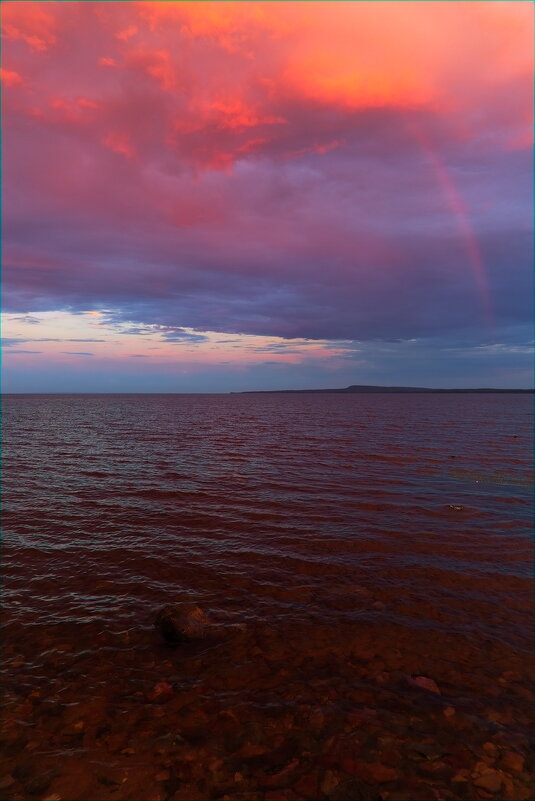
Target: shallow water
(320, 521)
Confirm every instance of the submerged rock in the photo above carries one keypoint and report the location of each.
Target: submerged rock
(425, 683)
(182, 623)
(187, 622)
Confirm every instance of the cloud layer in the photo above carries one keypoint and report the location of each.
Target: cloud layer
(333, 171)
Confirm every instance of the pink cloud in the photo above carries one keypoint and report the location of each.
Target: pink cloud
(10, 78)
(126, 33)
(119, 143)
(213, 105)
(30, 23)
(155, 63)
(105, 61)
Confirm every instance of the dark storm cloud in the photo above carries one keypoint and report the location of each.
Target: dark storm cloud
(313, 249)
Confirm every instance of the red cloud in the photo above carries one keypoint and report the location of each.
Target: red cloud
(30, 23)
(211, 83)
(104, 61)
(127, 33)
(119, 143)
(10, 78)
(155, 63)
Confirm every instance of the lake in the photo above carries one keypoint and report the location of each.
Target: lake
(364, 542)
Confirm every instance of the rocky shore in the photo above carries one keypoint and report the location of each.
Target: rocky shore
(280, 712)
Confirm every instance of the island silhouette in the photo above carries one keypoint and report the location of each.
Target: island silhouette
(370, 389)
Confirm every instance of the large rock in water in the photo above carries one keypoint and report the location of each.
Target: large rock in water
(182, 623)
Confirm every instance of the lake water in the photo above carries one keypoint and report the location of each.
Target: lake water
(362, 540)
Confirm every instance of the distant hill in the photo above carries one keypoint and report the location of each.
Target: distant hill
(366, 389)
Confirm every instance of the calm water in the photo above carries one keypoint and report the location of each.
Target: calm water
(271, 506)
(364, 543)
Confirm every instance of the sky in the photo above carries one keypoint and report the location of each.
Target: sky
(226, 196)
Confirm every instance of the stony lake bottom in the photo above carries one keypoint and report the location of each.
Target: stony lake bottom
(377, 551)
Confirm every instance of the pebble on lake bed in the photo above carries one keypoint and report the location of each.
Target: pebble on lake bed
(490, 780)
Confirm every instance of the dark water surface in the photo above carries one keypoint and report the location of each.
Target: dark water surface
(400, 521)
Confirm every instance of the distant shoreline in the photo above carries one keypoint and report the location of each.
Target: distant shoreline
(352, 390)
(378, 390)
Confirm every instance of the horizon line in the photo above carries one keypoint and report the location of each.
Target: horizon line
(334, 390)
